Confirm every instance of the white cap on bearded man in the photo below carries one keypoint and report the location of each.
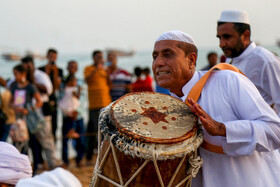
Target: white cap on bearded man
(234, 16)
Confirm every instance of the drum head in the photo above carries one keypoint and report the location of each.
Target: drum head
(153, 117)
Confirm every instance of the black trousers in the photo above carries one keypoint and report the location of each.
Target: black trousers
(54, 123)
(92, 129)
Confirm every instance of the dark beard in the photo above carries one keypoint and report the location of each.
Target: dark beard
(237, 50)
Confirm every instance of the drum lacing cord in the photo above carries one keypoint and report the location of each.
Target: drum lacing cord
(155, 155)
(98, 168)
(196, 163)
(176, 171)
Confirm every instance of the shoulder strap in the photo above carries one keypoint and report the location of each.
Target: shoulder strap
(197, 88)
(195, 94)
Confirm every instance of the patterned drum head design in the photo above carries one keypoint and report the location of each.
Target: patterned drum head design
(153, 117)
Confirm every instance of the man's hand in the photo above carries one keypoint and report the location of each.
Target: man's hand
(51, 68)
(74, 115)
(2, 82)
(213, 127)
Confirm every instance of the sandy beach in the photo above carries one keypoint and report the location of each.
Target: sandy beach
(84, 173)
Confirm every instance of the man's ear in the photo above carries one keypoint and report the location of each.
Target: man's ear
(245, 37)
(192, 59)
(247, 34)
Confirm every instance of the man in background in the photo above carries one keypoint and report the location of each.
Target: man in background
(120, 78)
(56, 76)
(260, 65)
(98, 83)
(212, 58)
(43, 137)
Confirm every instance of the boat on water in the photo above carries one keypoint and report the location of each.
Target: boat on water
(120, 52)
(11, 56)
(17, 57)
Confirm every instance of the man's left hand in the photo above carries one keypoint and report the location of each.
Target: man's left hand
(213, 127)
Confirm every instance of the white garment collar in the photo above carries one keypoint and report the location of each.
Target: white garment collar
(187, 88)
(243, 55)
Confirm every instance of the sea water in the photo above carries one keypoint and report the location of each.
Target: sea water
(141, 58)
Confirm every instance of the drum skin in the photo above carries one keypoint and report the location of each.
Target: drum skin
(153, 118)
(147, 176)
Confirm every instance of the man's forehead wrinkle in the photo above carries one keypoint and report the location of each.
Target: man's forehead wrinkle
(163, 50)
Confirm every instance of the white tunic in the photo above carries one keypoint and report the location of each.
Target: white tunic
(43, 78)
(252, 133)
(263, 68)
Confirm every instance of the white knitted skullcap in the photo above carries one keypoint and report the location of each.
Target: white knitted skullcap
(13, 165)
(176, 36)
(234, 16)
(58, 177)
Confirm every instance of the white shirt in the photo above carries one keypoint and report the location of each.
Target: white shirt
(41, 77)
(263, 68)
(252, 133)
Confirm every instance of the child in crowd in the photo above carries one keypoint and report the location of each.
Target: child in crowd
(73, 125)
(23, 92)
(70, 103)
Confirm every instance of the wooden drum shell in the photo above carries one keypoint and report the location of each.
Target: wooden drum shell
(147, 176)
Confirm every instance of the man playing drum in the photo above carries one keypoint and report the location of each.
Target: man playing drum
(241, 131)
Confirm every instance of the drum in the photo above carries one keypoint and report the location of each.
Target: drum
(147, 139)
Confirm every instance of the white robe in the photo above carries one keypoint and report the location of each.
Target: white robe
(252, 133)
(263, 68)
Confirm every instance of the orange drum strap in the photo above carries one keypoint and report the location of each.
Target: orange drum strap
(195, 94)
(213, 148)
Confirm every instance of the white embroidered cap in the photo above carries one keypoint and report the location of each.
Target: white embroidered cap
(176, 36)
(234, 16)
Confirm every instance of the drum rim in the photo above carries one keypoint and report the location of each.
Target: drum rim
(143, 139)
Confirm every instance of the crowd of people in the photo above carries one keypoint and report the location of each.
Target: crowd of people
(239, 115)
(31, 100)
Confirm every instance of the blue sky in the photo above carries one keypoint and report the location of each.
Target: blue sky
(75, 26)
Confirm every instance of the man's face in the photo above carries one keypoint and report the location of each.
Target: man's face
(231, 42)
(171, 68)
(29, 66)
(98, 58)
(112, 57)
(213, 60)
(52, 57)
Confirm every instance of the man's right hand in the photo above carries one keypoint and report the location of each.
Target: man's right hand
(213, 127)
(51, 68)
